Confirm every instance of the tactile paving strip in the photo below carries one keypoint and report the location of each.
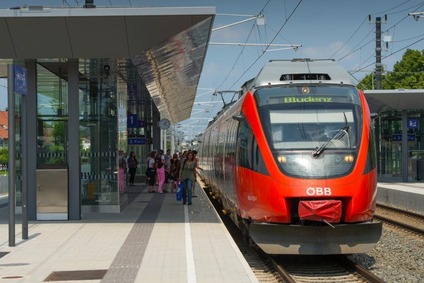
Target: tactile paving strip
(126, 264)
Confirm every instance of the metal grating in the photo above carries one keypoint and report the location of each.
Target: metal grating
(76, 275)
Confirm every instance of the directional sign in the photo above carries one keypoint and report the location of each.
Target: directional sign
(20, 80)
(398, 137)
(412, 123)
(136, 141)
(132, 121)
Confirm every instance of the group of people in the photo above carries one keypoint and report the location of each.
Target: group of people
(164, 170)
(169, 171)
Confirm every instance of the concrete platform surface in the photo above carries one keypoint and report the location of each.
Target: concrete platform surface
(155, 239)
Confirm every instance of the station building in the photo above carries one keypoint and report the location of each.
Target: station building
(99, 80)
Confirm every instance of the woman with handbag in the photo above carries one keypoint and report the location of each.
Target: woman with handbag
(188, 176)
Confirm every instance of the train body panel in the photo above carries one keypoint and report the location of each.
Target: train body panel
(270, 166)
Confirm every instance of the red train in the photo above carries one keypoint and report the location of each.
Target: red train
(293, 160)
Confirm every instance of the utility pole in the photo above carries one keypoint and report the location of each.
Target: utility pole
(378, 65)
(378, 52)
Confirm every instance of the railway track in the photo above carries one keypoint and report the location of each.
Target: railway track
(302, 269)
(406, 220)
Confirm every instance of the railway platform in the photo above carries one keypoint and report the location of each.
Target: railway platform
(155, 239)
(403, 195)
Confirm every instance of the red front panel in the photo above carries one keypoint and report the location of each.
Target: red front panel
(263, 199)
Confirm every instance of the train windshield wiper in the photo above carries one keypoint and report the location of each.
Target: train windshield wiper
(340, 133)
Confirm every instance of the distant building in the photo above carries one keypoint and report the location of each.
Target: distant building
(4, 136)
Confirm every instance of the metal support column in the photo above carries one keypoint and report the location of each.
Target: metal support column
(74, 166)
(12, 152)
(404, 164)
(377, 135)
(31, 140)
(28, 123)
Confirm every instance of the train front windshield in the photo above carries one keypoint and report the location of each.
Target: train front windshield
(312, 131)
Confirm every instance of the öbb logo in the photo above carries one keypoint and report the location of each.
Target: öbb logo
(318, 191)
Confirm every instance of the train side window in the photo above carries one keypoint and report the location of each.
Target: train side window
(258, 163)
(243, 144)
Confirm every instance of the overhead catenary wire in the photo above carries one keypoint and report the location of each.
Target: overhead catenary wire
(416, 6)
(257, 59)
(391, 54)
(266, 48)
(238, 57)
(360, 46)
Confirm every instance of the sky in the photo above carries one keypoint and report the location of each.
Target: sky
(335, 29)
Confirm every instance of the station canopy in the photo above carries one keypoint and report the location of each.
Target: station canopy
(395, 99)
(167, 45)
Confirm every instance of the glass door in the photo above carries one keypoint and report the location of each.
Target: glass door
(52, 141)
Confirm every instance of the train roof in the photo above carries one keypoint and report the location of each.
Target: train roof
(280, 72)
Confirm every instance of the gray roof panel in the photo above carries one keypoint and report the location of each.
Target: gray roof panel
(272, 71)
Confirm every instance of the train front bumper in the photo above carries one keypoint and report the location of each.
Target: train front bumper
(316, 240)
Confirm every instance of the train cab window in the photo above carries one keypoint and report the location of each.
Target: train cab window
(314, 127)
(248, 153)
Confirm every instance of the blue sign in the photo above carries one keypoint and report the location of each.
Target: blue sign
(136, 141)
(132, 89)
(20, 80)
(140, 123)
(412, 123)
(398, 137)
(132, 121)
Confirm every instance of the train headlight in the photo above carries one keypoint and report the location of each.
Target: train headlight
(282, 159)
(305, 90)
(349, 158)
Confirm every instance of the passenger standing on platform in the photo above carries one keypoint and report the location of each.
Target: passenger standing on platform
(168, 158)
(122, 171)
(151, 171)
(160, 170)
(132, 167)
(197, 167)
(173, 173)
(188, 176)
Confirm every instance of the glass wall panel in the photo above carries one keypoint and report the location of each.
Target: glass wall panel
(52, 113)
(391, 143)
(98, 132)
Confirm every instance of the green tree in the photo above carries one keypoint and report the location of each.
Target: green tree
(407, 73)
(59, 133)
(4, 155)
